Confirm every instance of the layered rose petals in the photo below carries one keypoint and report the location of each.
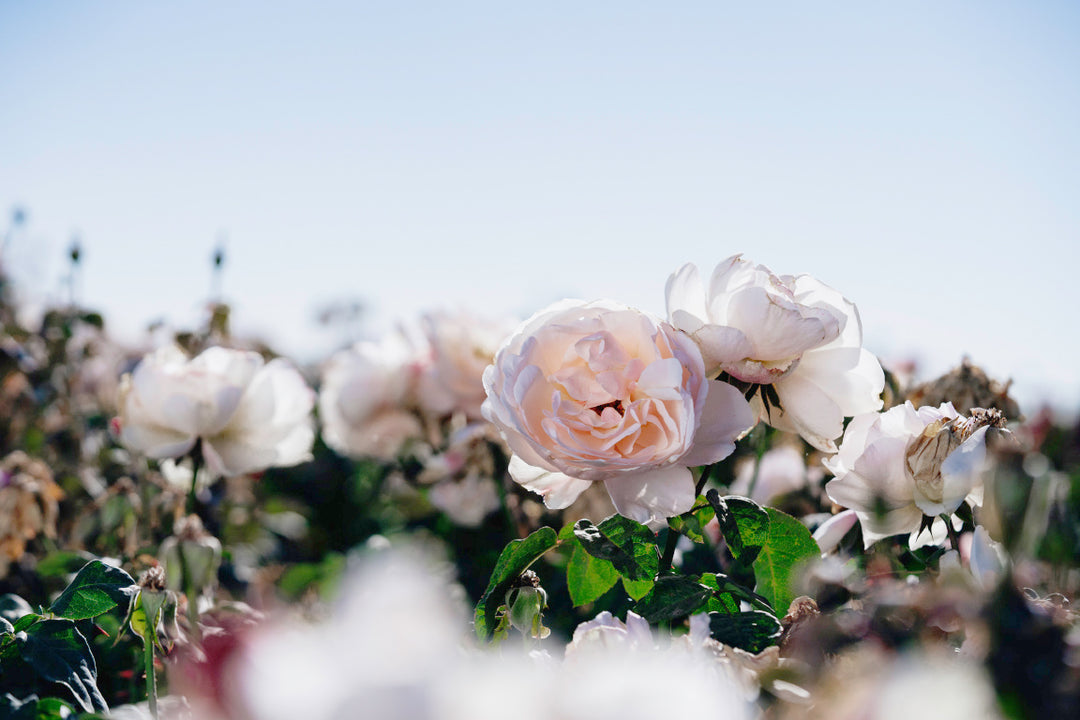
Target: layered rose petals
(599, 392)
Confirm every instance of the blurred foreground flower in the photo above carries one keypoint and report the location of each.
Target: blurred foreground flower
(249, 415)
(897, 467)
(394, 649)
(599, 392)
(367, 398)
(793, 344)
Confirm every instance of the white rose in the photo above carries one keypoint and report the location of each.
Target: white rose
(249, 414)
(794, 343)
(366, 399)
(897, 466)
(599, 392)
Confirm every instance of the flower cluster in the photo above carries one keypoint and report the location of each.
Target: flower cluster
(599, 392)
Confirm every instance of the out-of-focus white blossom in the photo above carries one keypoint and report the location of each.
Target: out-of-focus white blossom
(782, 470)
(832, 531)
(460, 346)
(896, 467)
(868, 685)
(467, 501)
(792, 334)
(985, 560)
(395, 649)
(249, 414)
(607, 633)
(367, 399)
(599, 392)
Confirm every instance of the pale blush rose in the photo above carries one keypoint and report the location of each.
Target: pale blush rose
(792, 333)
(367, 398)
(249, 414)
(460, 347)
(599, 392)
(874, 475)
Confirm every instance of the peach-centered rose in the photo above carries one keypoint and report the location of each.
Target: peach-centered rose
(599, 392)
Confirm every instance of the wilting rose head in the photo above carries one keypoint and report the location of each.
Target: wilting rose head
(599, 392)
(793, 335)
(896, 467)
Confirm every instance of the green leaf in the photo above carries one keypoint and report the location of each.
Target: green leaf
(59, 653)
(97, 589)
(692, 524)
(51, 708)
(588, 577)
(628, 545)
(789, 543)
(63, 562)
(721, 600)
(516, 557)
(745, 525)
(673, 596)
(752, 631)
(26, 621)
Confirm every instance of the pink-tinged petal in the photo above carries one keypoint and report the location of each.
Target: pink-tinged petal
(832, 531)
(685, 292)
(779, 330)
(725, 417)
(558, 490)
(652, 497)
(662, 379)
(811, 291)
(721, 345)
(810, 411)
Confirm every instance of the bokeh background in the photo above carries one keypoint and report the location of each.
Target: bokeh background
(921, 157)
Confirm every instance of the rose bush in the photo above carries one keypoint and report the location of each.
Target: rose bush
(249, 414)
(792, 343)
(599, 392)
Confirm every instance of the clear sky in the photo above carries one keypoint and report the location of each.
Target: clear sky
(921, 157)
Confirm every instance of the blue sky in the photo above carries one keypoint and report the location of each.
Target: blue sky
(921, 157)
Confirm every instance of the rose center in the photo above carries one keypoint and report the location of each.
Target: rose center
(617, 404)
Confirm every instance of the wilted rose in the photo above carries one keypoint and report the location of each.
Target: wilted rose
(793, 344)
(896, 467)
(599, 392)
(248, 413)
